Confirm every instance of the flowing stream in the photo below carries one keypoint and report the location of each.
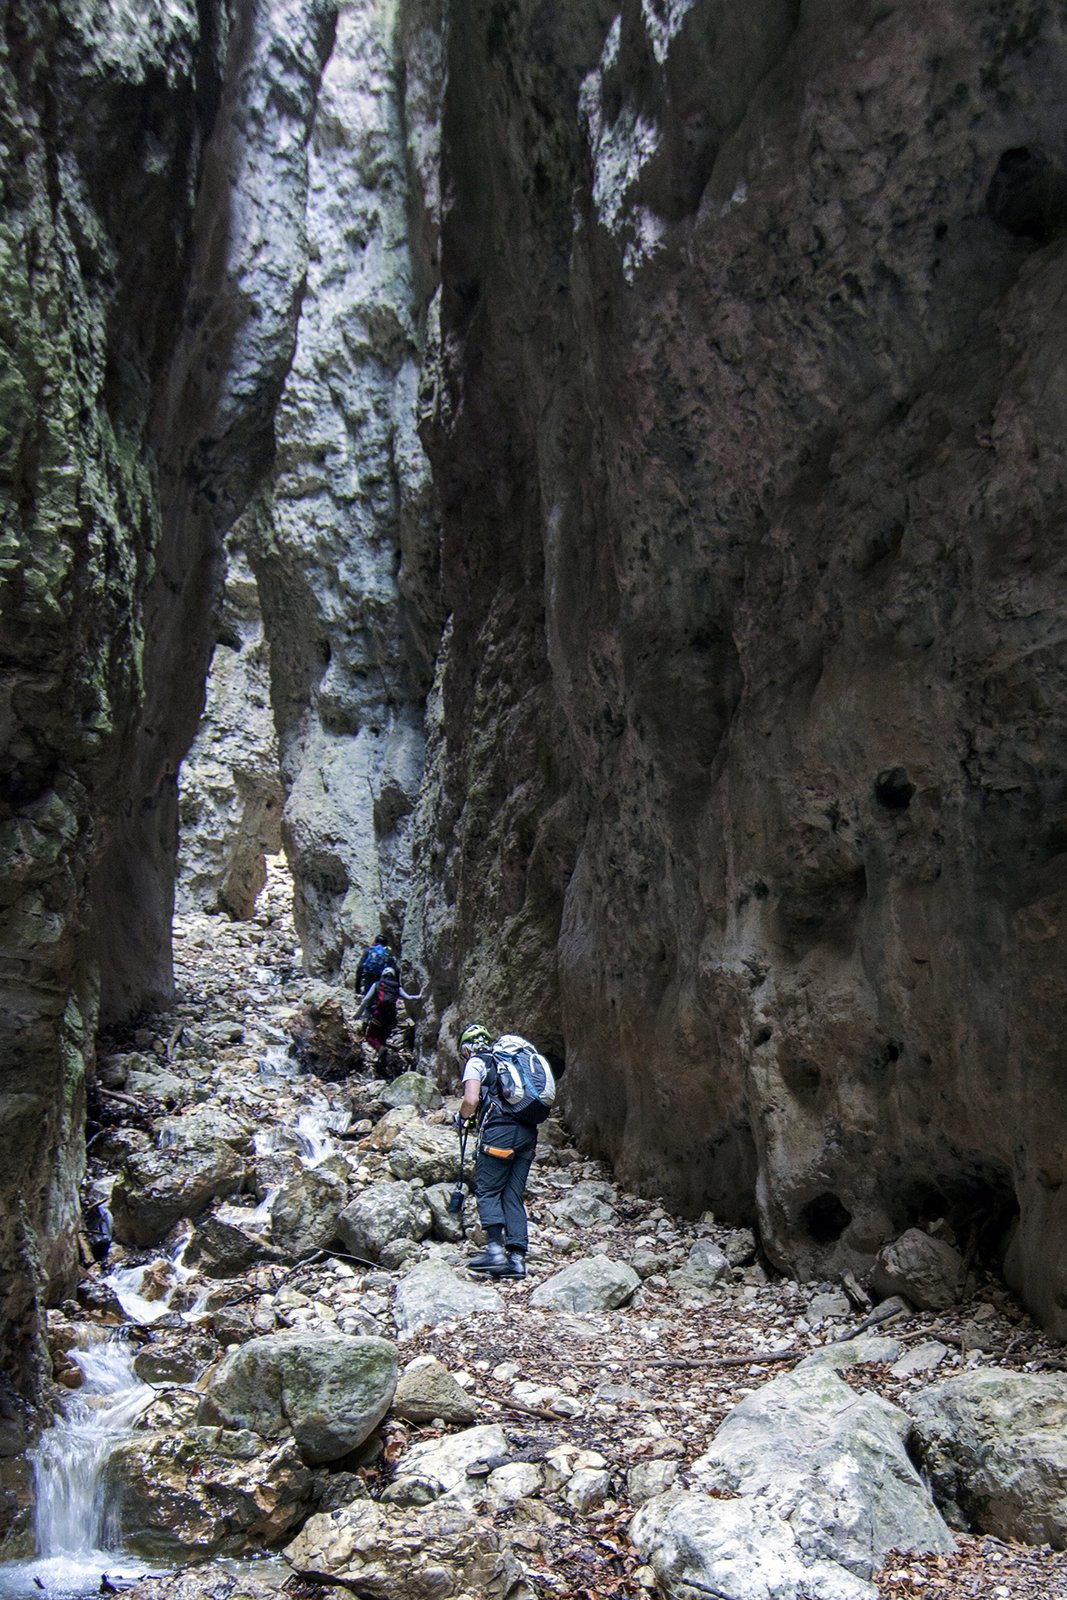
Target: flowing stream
(73, 1542)
(76, 1548)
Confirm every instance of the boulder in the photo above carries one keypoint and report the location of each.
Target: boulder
(647, 1479)
(203, 1583)
(323, 1040)
(706, 1267)
(431, 1293)
(204, 1126)
(438, 1552)
(451, 1226)
(735, 1550)
(927, 1270)
(587, 1488)
(329, 1390)
(832, 1463)
(178, 1361)
(442, 1464)
(381, 1213)
(831, 1305)
(646, 1262)
(595, 1283)
(515, 1480)
(994, 1442)
(922, 1357)
(387, 1128)
(205, 1492)
(304, 1215)
(587, 1205)
(426, 1152)
(158, 1083)
(157, 1187)
(397, 1253)
(219, 1249)
(739, 1247)
(427, 1390)
(412, 1089)
(867, 1347)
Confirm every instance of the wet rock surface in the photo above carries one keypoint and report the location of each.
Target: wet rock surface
(568, 1419)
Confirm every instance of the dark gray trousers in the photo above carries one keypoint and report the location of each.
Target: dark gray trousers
(499, 1180)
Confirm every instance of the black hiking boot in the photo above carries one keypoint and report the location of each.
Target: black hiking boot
(493, 1259)
(516, 1267)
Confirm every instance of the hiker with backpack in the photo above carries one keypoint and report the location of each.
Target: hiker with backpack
(379, 970)
(508, 1091)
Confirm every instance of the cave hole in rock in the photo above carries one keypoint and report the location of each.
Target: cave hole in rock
(556, 1060)
(800, 1075)
(893, 790)
(976, 1206)
(1027, 195)
(825, 1218)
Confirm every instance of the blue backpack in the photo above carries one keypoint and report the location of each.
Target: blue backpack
(525, 1089)
(372, 964)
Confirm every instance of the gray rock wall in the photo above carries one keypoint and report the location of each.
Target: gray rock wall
(230, 785)
(747, 762)
(91, 271)
(153, 158)
(346, 542)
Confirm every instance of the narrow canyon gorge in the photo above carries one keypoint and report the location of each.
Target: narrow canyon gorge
(610, 461)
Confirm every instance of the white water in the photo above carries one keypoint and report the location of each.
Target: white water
(74, 1548)
(310, 1138)
(278, 1063)
(165, 1279)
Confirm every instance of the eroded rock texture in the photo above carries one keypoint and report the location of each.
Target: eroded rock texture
(748, 762)
(230, 786)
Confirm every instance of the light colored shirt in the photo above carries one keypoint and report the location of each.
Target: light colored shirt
(475, 1069)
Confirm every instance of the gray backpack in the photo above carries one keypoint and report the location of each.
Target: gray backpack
(526, 1089)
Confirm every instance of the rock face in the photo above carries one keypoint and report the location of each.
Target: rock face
(231, 797)
(345, 545)
(746, 758)
(645, 433)
(143, 353)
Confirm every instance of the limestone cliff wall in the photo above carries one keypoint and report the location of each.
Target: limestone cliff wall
(154, 161)
(748, 750)
(230, 793)
(345, 539)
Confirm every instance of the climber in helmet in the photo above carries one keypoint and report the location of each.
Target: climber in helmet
(507, 1140)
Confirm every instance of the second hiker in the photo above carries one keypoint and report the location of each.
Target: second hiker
(378, 983)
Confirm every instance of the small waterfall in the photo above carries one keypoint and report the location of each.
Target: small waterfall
(312, 1132)
(310, 1138)
(71, 1516)
(147, 1293)
(278, 1063)
(261, 1215)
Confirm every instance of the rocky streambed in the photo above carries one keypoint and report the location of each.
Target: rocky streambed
(289, 1381)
